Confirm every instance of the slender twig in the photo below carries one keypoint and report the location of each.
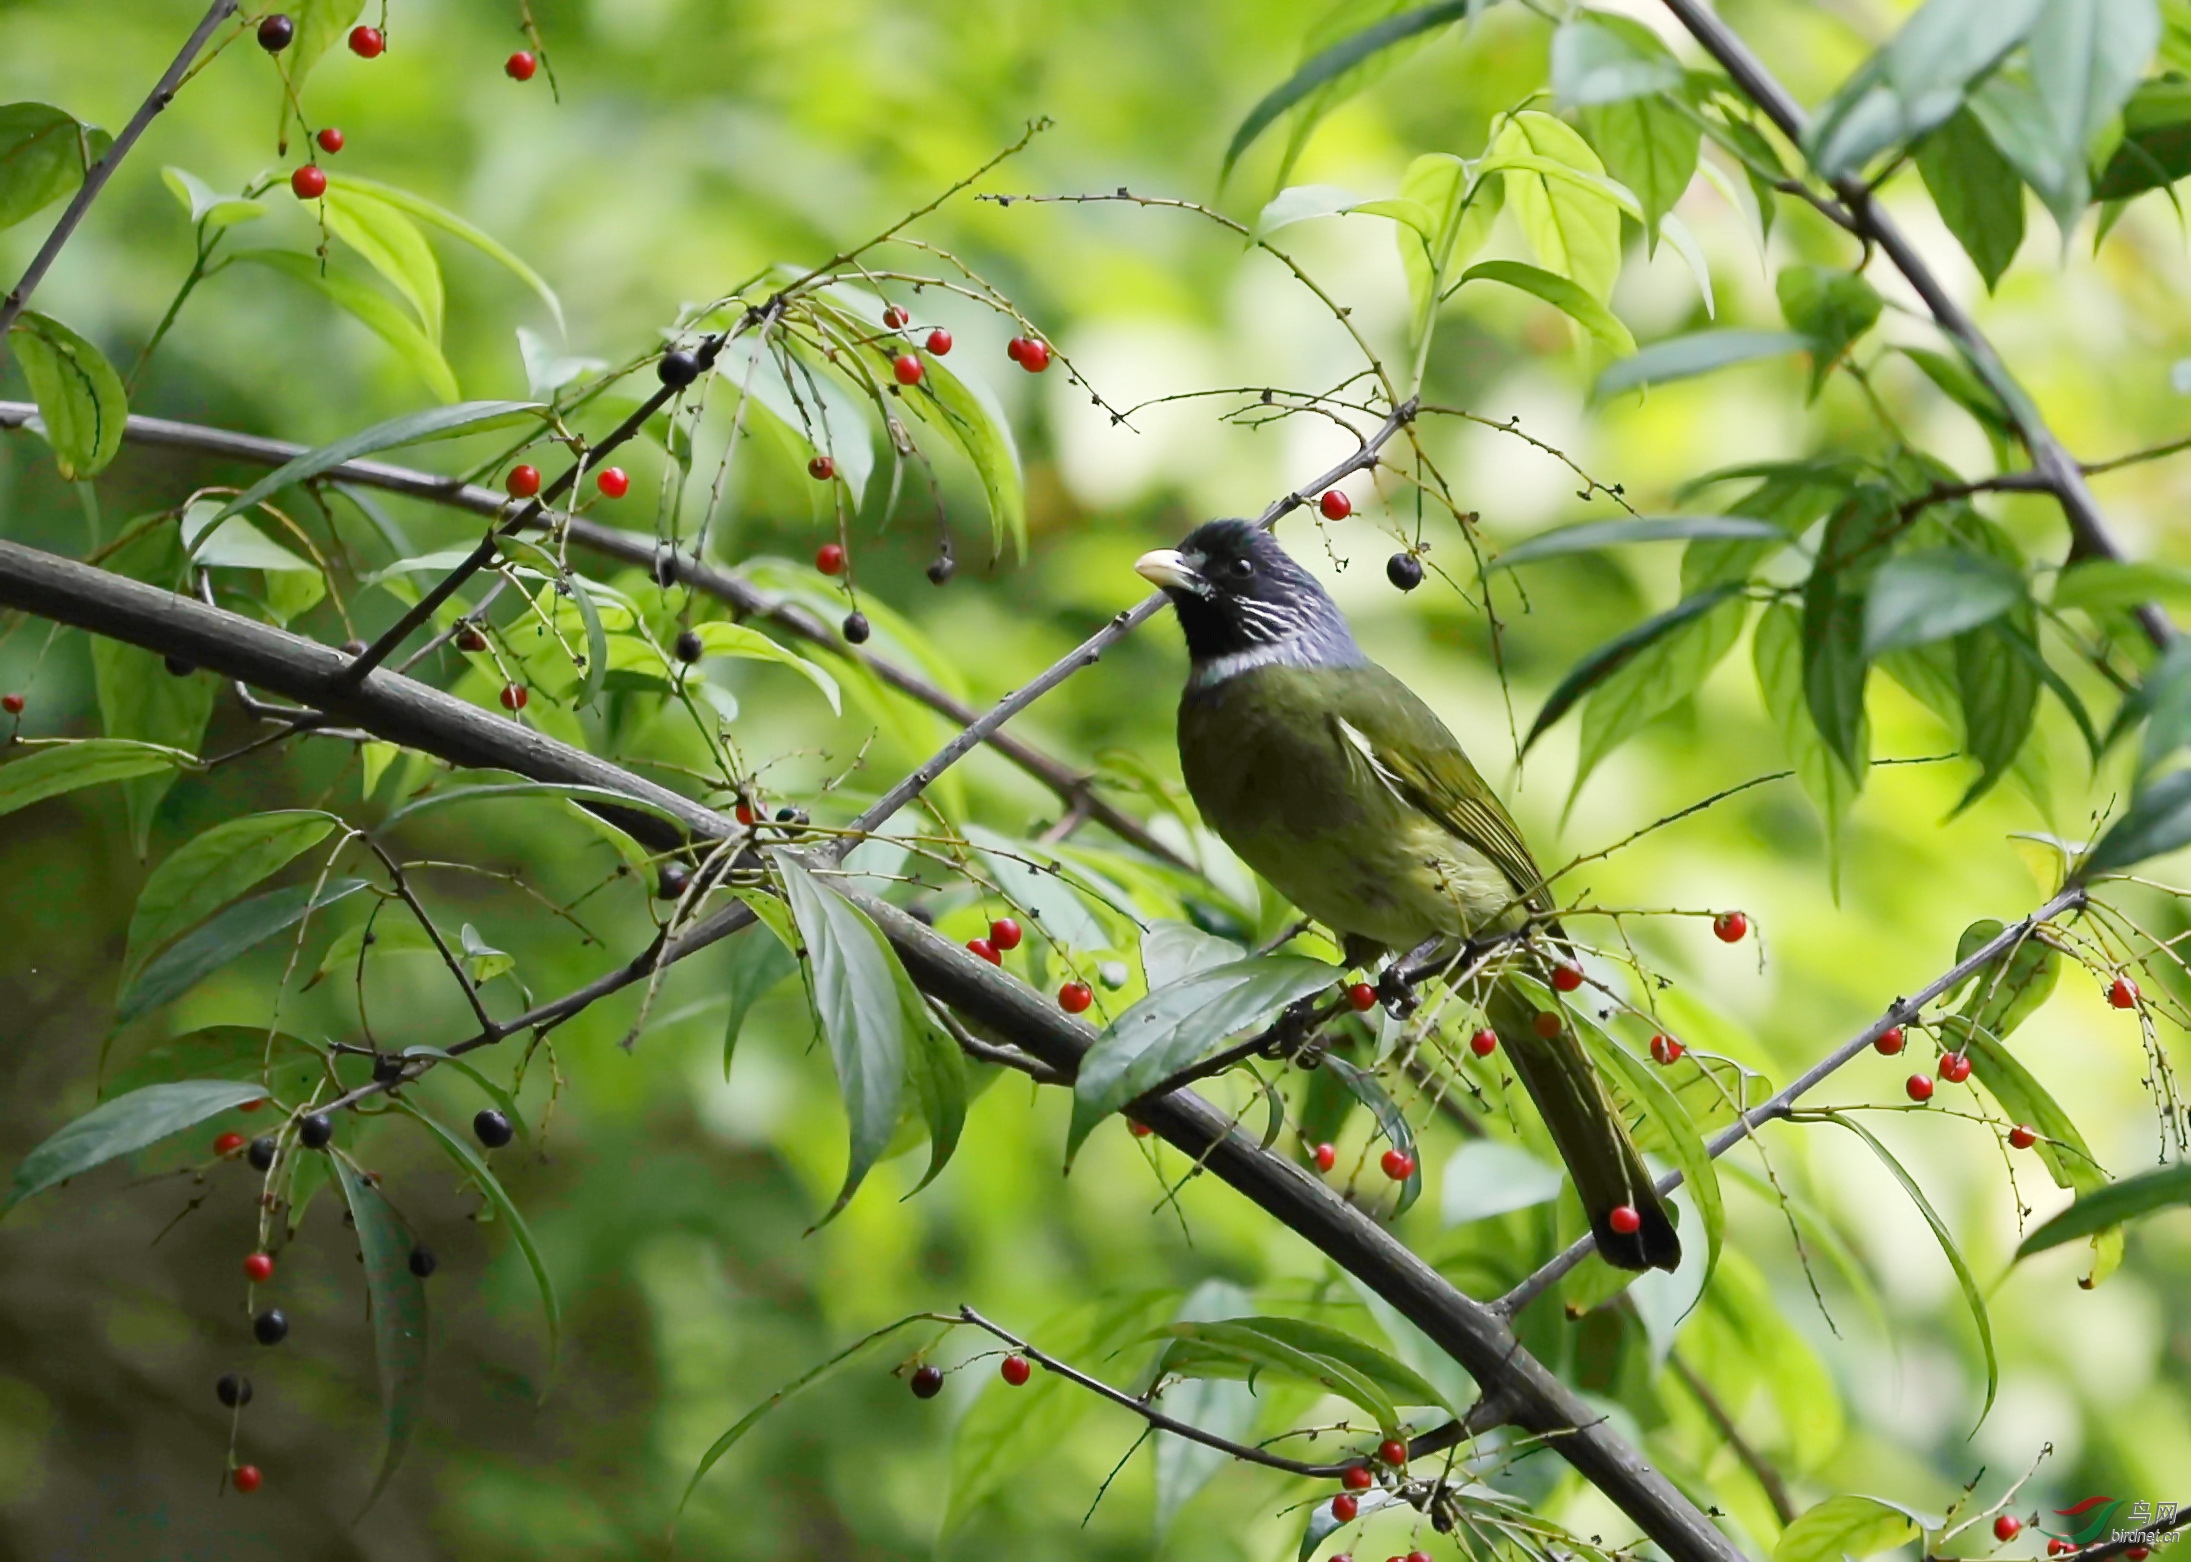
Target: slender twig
(1768, 1478)
(441, 945)
(97, 175)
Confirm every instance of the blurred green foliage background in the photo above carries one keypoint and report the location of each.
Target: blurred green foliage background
(696, 141)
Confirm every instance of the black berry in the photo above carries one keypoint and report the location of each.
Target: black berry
(688, 645)
(927, 1382)
(270, 1327)
(234, 1388)
(180, 668)
(492, 1129)
(386, 1067)
(315, 1131)
(942, 569)
(261, 1154)
(1404, 570)
(793, 820)
(665, 570)
(675, 876)
(423, 1261)
(677, 369)
(275, 32)
(856, 629)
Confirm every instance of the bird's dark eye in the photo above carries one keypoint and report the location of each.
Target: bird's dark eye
(1243, 567)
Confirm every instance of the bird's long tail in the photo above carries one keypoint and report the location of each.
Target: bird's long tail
(1588, 1131)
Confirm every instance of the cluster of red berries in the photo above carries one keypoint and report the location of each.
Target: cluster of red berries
(1031, 353)
(1004, 936)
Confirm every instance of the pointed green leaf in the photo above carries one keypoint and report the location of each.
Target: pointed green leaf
(2156, 146)
(43, 155)
(206, 873)
(1242, 1348)
(759, 962)
(399, 1316)
(82, 407)
(1601, 663)
(138, 697)
(2158, 821)
(1778, 653)
(1568, 297)
(457, 228)
(1573, 226)
(1684, 357)
(48, 772)
(1933, 594)
(1849, 1527)
(1366, 1088)
(2098, 585)
(206, 204)
(1599, 58)
(718, 638)
(392, 245)
(412, 427)
(215, 944)
(1656, 679)
(1830, 308)
(1979, 195)
(371, 310)
(217, 1052)
(1590, 536)
(124, 1124)
(1916, 81)
(320, 25)
(2165, 1187)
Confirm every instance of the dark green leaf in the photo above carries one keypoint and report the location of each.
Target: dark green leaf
(1650, 145)
(1599, 58)
(1227, 1409)
(1591, 535)
(1979, 195)
(2086, 57)
(759, 962)
(43, 155)
(856, 1004)
(1655, 680)
(1366, 1088)
(2156, 144)
(399, 1316)
(1778, 653)
(460, 1150)
(1972, 1295)
(1791, 497)
(1242, 1348)
(1834, 663)
(1966, 390)
(2158, 821)
(1830, 308)
(217, 1052)
(242, 927)
(1846, 1527)
(575, 790)
(124, 1124)
(1177, 1026)
(2097, 585)
(1917, 81)
(2163, 1188)
(209, 871)
(1936, 594)
(412, 427)
(82, 407)
(1601, 663)
(1999, 693)
(138, 697)
(1683, 357)
(48, 772)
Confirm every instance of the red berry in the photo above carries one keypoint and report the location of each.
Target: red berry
(1343, 1509)
(1074, 997)
(744, 813)
(2124, 994)
(1889, 1041)
(1546, 1023)
(309, 182)
(521, 65)
(1729, 927)
(330, 140)
(1417, 1556)
(1484, 1043)
(1016, 348)
(1362, 996)
(1392, 1451)
(1004, 933)
(2058, 1547)
(1955, 1067)
(987, 950)
(523, 482)
(1919, 1087)
(1138, 1130)
(246, 1476)
(1035, 356)
(252, 1106)
(939, 341)
(906, 369)
(1625, 1220)
(2023, 1137)
(513, 696)
(366, 42)
(1566, 978)
(1015, 1370)
(829, 558)
(259, 1266)
(895, 319)
(12, 704)
(2007, 1527)
(614, 482)
(228, 1144)
(821, 469)
(1326, 1157)
(1665, 1049)
(1335, 505)
(1357, 1478)
(1398, 1165)
(2138, 1553)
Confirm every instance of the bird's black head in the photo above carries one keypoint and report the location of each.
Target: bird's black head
(1244, 603)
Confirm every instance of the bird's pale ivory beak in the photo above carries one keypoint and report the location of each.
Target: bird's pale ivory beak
(1168, 568)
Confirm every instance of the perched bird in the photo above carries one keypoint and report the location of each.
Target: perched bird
(1331, 779)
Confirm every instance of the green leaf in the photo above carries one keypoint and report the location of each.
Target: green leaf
(1568, 297)
(718, 638)
(1031, 877)
(1684, 357)
(1917, 81)
(575, 790)
(1617, 652)
(457, 228)
(124, 1124)
(1487, 1177)
(1304, 202)
(856, 1004)
(48, 772)
(1650, 145)
(242, 927)
(1834, 662)
(1366, 1088)
(758, 964)
(1180, 1024)
(2101, 585)
(1227, 1409)
(1599, 58)
(1954, 378)
(399, 1316)
(1241, 1349)
(2158, 821)
(1972, 1295)
(217, 1052)
(1462, 209)
(2156, 146)
(1778, 653)
(2162, 1188)
(459, 1150)
(392, 245)
(809, 402)
(1589, 536)
(207, 205)
(412, 427)
(1997, 680)
(1850, 1526)
(1980, 197)
(138, 697)
(936, 1071)
(482, 961)
(82, 407)
(320, 24)
(371, 310)
(1656, 679)
(1934, 594)
(855, 1352)
(1830, 308)
(1574, 228)
(43, 156)
(1328, 65)
(209, 871)
(2085, 59)
(2163, 703)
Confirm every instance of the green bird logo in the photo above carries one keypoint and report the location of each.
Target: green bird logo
(2094, 1518)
